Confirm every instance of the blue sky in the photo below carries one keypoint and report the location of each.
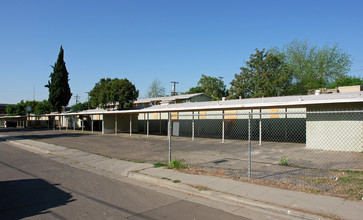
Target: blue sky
(172, 40)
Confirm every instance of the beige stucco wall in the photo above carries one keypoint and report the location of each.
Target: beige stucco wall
(336, 132)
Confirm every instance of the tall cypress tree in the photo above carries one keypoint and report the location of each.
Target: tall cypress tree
(59, 91)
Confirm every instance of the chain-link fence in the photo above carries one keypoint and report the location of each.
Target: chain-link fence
(316, 151)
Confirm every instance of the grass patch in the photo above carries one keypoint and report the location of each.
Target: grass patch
(201, 188)
(158, 164)
(176, 164)
(176, 181)
(165, 178)
(284, 161)
(347, 184)
(105, 156)
(134, 161)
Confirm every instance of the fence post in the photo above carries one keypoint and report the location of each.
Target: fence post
(103, 125)
(169, 135)
(193, 126)
(249, 145)
(260, 139)
(115, 124)
(92, 123)
(223, 126)
(147, 126)
(130, 124)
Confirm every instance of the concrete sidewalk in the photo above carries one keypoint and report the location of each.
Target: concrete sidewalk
(281, 202)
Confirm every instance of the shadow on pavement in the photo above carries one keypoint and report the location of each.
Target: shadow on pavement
(24, 133)
(29, 197)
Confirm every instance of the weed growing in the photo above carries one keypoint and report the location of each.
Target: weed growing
(158, 164)
(176, 164)
(284, 161)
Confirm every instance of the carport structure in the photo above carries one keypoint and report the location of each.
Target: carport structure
(155, 119)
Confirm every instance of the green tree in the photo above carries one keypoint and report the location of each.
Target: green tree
(209, 85)
(314, 67)
(11, 110)
(18, 108)
(346, 81)
(156, 89)
(116, 91)
(100, 94)
(264, 75)
(80, 106)
(32, 105)
(42, 108)
(59, 91)
(194, 90)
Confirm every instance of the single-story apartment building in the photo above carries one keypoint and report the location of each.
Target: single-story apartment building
(307, 114)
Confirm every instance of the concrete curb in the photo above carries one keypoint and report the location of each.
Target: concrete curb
(226, 198)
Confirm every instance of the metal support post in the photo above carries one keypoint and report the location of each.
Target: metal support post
(249, 145)
(198, 123)
(260, 139)
(99, 124)
(115, 124)
(223, 126)
(74, 123)
(66, 123)
(168, 125)
(169, 135)
(130, 124)
(92, 123)
(103, 126)
(147, 126)
(144, 123)
(59, 122)
(193, 126)
(160, 121)
(82, 124)
(285, 124)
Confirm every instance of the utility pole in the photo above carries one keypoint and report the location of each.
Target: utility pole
(173, 92)
(88, 99)
(77, 98)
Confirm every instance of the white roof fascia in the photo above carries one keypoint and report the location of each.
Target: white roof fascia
(242, 104)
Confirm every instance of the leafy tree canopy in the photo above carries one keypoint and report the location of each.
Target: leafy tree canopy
(264, 75)
(43, 107)
(346, 81)
(209, 85)
(156, 89)
(114, 92)
(314, 67)
(37, 108)
(59, 91)
(80, 106)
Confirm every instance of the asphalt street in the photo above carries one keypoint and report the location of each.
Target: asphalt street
(35, 187)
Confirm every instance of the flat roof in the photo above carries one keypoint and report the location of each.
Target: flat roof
(251, 103)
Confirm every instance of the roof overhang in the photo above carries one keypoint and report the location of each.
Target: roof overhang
(253, 103)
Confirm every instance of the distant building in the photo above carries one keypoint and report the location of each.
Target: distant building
(340, 89)
(197, 97)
